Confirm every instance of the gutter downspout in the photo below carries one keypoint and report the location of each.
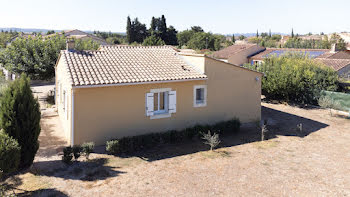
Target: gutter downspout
(72, 117)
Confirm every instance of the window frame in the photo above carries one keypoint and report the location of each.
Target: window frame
(161, 113)
(204, 103)
(165, 102)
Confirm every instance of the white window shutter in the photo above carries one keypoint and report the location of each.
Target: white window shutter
(149, 104)
(172, 102)
(66, 105)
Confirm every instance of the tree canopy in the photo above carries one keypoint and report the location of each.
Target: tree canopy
(36, 56)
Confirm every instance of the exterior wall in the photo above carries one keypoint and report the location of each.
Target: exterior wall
(105, 113)
(195, 60)
(233, 91)
(66, 118)
(242, 57)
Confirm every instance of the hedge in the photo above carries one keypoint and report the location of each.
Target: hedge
(136, 143)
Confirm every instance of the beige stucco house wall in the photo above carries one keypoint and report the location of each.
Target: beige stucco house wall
(102, 113)
(242, 57)
(64, 99)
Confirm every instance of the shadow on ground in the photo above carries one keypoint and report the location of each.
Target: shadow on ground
(279, 123)
(49, 141)
(42, 193)
(90, 170)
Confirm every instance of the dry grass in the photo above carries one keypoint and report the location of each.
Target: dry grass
(266, 144)
(219, 153)
(118, 162)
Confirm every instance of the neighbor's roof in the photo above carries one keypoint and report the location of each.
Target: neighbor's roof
(336, 64)
(228, 51)
(324, 53)
(119, 64)
(341, 55)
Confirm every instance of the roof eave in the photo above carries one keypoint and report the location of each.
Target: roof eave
(137, 83)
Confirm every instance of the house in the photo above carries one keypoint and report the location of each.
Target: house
(78, 34)
(337, 60)
(238, 53)
(119, 91)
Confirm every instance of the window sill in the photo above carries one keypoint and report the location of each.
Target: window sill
(200, 104)
(159, 116)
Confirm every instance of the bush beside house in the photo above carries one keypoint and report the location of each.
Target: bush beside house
(296, 78)
(20, 118)
(10, 153)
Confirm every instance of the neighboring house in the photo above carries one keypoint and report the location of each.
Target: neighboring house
(337, 60)
(80, 35)
(120, 91)
(284, 39)
(238, 53)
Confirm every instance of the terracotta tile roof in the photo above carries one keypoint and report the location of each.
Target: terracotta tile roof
(126, 64)
(341, 55)
(336, 64)
(262, 55)
(228, 51)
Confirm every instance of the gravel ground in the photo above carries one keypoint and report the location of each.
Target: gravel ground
(311, 162)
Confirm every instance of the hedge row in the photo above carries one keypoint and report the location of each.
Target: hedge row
(137, 143)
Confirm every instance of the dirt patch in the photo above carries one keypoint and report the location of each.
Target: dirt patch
(312, 162)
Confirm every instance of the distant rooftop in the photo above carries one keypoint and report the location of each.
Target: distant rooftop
(231, 50)
(313, 53)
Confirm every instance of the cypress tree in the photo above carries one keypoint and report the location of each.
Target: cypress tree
(270, 35)
(20, 118)
(153, 25)
(257, 33)
(163, 29)
(233, 38)
(129, 31)
(292, 33)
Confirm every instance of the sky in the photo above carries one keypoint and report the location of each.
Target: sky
(225, 17)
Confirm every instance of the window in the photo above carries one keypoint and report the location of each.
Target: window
(160, 103)
(200, 96)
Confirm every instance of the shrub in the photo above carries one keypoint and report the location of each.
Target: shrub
(76, 151)
(296, 77)
(10, 153)
(87, 148)
(211, 140)
(136, 143)
(67, 154)
(328, 102)
(113, 147)
(20, 118)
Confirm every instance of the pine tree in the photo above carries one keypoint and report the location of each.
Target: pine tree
(129, 31)
(257, 33)
(233, 38)
(20, 118)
